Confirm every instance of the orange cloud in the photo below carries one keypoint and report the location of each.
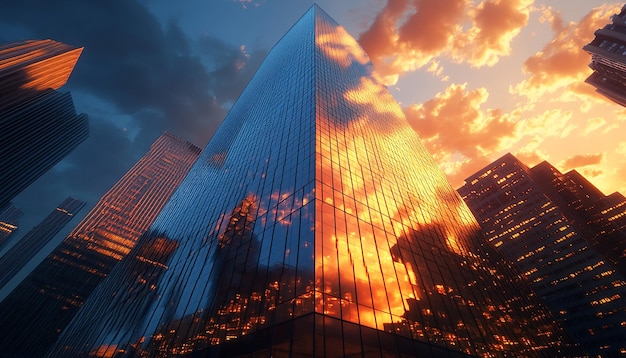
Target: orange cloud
(495, 24)
(554, 122)
(562, 63)
(594, 124)
(429, 29)
(581, 160)
(619, 173)
(407, 34)
(553, 17)
(530, 158)
(591, 173)
(458, 132)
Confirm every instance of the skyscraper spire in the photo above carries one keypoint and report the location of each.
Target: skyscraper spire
(314, 224)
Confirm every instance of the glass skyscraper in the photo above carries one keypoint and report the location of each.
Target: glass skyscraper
(39, 125)
(313, 224)
(37, 310)
(30, 67)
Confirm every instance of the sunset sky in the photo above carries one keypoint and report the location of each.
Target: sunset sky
(477, 79)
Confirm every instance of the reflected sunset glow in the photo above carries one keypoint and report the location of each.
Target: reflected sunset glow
(316, 217)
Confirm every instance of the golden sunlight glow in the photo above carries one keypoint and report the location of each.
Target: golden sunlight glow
(370, 93)
(340, 47)
(366, 205)
(104, 352)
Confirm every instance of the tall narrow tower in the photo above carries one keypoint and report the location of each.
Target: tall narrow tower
(314, 224)
(39, 125)
(30, 67)
(37, 310)
(18, 256)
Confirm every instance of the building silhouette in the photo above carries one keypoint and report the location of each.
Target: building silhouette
(9, 221)
(601, 218)
(608, 59)
(314, 224)
(24, 250)
(35, 312)
(546, 223)
(39, 125)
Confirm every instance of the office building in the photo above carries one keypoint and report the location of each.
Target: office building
(30, 67)
(541, 220)
(22, 252)
(314, 224)
(35, 312)
(609, 220)
(601, 218)
(608, 59)
(39, 125)
(9, 221)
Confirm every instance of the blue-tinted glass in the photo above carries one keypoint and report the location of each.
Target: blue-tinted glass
(315, 197)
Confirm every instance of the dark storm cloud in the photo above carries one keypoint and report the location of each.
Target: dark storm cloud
(230, 70)
(150, 72)
(137, 64)
(85, 174)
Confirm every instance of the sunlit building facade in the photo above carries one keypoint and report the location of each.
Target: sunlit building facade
(9, 223)
(39, 125)
(608, 59)
(35, 312)
(24, 250)
(29, 67)
(314, 224)
(542, 221)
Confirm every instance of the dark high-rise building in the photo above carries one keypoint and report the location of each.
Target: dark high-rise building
(39, 125)
(608, 59)
(546, 223)
(601, 218)
(314, 224)
(35, 312)
(9, 220)
(22, 252)
(609, 220)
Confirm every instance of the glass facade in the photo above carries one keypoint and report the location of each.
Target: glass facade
(536, 218)
(29, 67)
(313, 224)
(23, 251)
(39, 308)
(39, 125)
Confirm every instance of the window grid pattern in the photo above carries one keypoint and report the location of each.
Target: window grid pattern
(524, 221)
(313, 224)
(39, 308)
(393, 239)
(24, 250)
